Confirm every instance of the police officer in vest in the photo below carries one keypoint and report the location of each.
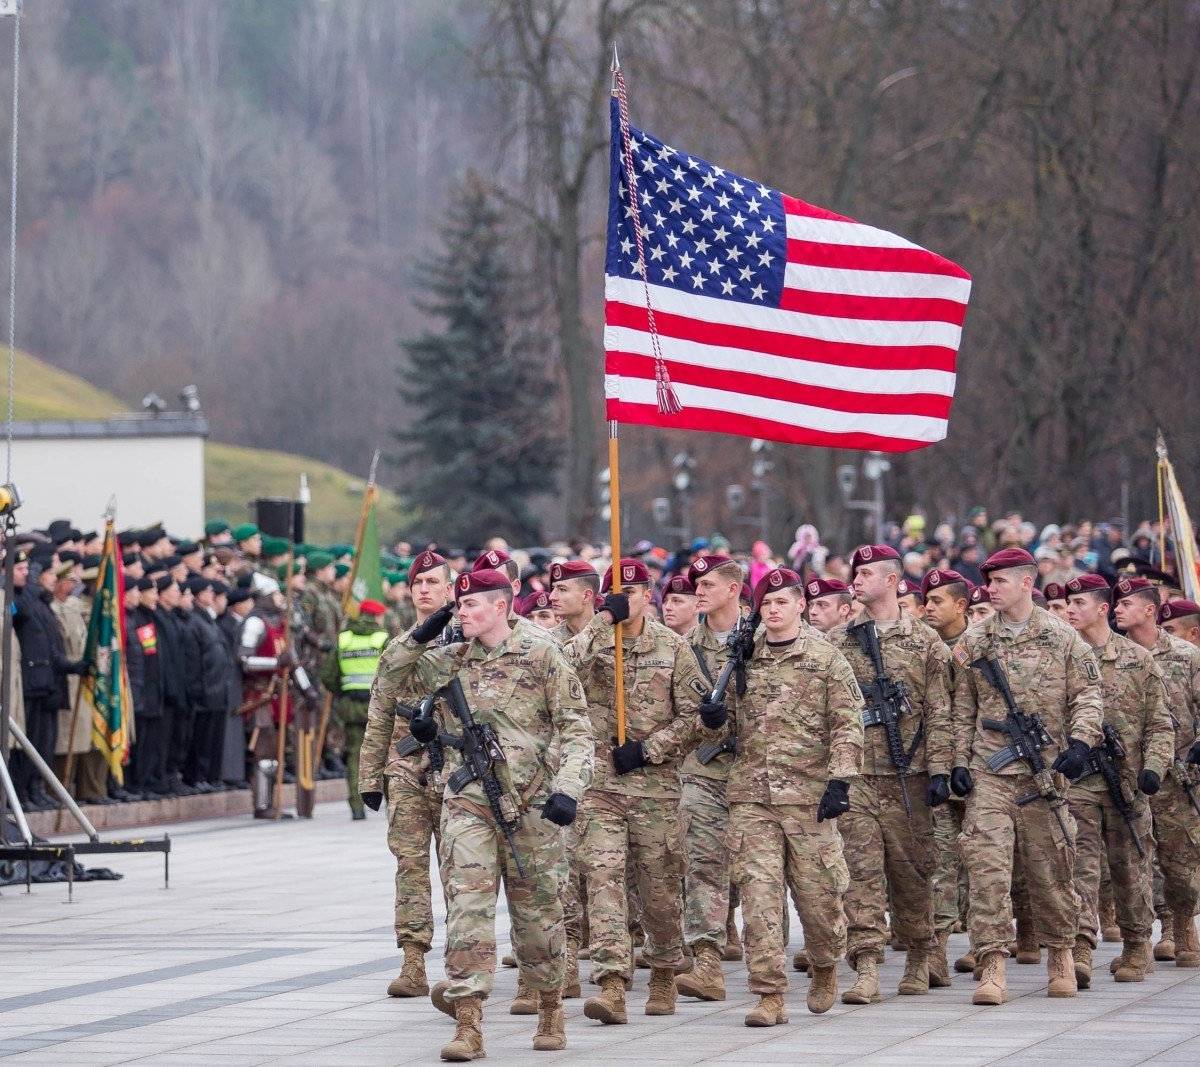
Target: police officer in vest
(349, 675)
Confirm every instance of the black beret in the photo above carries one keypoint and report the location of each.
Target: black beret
(142, 584)
(164, 582)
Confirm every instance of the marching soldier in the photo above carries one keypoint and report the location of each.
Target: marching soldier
(574, 590)
(1056, 600)
(888, 835)
(1181, 618)
(679, 605)
(981, 605)
(799, 746)
(829, 603)
(1011, 811)
(1141, 743)
(528, 693)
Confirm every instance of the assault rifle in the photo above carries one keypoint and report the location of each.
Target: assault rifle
(1102, 760)
(741, 647)
(481, 756)
(1184, 778)
(410, 745)
(1027, 736)
(886, 703)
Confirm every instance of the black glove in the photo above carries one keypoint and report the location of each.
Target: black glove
(939, 790)
(1072, 762)
(617, 606)
(559, 809)
(372, 800)
(423, 728)
(629, 756)
(426, 631)
(1193, 755)
(286, 658)
(1148, 783)
(713, 715)
(835, 800)
(961, 782)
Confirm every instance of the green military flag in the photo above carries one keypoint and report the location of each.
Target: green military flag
(105, 686)
(367, 580)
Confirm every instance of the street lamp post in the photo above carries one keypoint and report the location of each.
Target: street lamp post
(874, 467)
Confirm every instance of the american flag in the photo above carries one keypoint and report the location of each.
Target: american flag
(773, 318)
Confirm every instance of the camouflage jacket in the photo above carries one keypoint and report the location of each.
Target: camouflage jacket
(715, 654)
(524, 688)
(918, 659)
(1052, 673)
(798, 725)
(663, 688)
(400, 616)
(1179, 663)
(1135, 705)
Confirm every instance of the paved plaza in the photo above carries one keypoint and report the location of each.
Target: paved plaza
(274, 945)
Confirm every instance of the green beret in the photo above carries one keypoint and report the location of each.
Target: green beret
(395, 577)
(282, 571)
(342, 569)
(244, 532)
(317, 561)
(337, 551)
(214, 527)
(274, 546)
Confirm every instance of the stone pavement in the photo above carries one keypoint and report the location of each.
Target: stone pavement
(274, 945)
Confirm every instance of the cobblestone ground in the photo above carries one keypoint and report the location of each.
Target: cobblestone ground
(274, 945)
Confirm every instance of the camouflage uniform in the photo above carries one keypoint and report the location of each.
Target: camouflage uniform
(399, 617)
(704, 820)
(950, 891)
(1135, 706)
(798, 725)
(529, 694)
(629, 821)
(1052, 674)
(885, 848)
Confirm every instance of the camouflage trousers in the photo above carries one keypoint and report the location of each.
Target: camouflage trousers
(414, 810)
(640, 835)
(475, 858)
(886, 850)
(772, 847)
(1177, 841)
(1102, 832)
(950, 875)
(574, 891)
(354, 740)
(997, 830)
(704, 823)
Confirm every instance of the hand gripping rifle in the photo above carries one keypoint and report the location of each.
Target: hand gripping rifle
(741, 648)
(1102, 760)
(435, 749)
(1027, 736)
(481, 756)
(1182, 774)
(886, 703)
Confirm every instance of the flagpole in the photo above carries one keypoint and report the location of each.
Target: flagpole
(281, 739)
(614, 537)
(368, 498)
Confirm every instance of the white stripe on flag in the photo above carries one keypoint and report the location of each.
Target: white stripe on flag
(876, 283)
(832, 232)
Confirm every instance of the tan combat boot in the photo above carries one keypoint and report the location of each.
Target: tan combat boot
(866, 986)
(733, 942)
(609, 1006)
(662, 991)
(1136, 963)
(525, 1002)
(551, 1035)
(915, 982)
(571, 987)
(768, 1012)
(468, 1035)
(1060, 969)
(822, 989)
(508, 960)
(800, 960)
(1165, 949)
(1081, 954)
(438, 996)
(411, 981)
(706, 979)
(1110, 932)
(965, 964)
(1116, 961)
(993, 986)
(939, 966)
(1029, 950)
(1187, 946)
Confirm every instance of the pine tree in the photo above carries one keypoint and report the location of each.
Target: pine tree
(482, 444)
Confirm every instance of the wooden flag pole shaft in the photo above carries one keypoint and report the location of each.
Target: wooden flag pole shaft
(281, 738)
(614, 537)
(69, 773)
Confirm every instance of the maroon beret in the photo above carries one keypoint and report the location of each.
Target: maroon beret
(819, 587)
(936, 578)
(1039, 598)
(482, 581)
(1055, 591)
(1128, 586)
(746, 594)
(679, 584)
(980, 595)
(904, 588)
(1178, 609)
(1086, 583)
(633, 572)
(773, 581)
(701, 565)
(539, 600)
(426, 561)
(871, 554)
(572, 568)
(492, 560)
(1005, 558)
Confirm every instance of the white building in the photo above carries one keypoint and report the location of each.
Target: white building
(153, 464)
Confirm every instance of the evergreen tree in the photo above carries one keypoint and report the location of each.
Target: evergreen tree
(480, 447)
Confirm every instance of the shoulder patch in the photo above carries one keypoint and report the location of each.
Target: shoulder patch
(962, 655)
(576, 690)
(1091, 669)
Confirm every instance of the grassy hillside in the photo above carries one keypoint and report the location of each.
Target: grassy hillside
(233, 475)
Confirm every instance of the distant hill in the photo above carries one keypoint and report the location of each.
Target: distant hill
(233, 475)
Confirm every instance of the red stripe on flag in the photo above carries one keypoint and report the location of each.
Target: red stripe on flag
(889, 308)
(862, 257)
(635, 365)
(793, 206)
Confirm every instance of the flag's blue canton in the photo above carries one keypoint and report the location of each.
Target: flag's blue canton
(704, 230)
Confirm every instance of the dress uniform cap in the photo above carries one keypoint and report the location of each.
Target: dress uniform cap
(571, 568)
(1128, 586)
(214, 527)
(486, 580)
(819, 587)
(905, 588)
(633, 572)
(493, 559)
(1086, 583)
(680, 584)
(539, 600)
(426, 561)
(871, 554)
(1055, 591)
(702, 565)
(1005, 558)
(938, 577)
(371, 607)
(239, 594)
(980, 595)
(244, 532)
(316, 561)
(1178, 609)
(773, 581)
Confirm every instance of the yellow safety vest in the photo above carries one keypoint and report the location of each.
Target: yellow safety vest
(358, 658)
